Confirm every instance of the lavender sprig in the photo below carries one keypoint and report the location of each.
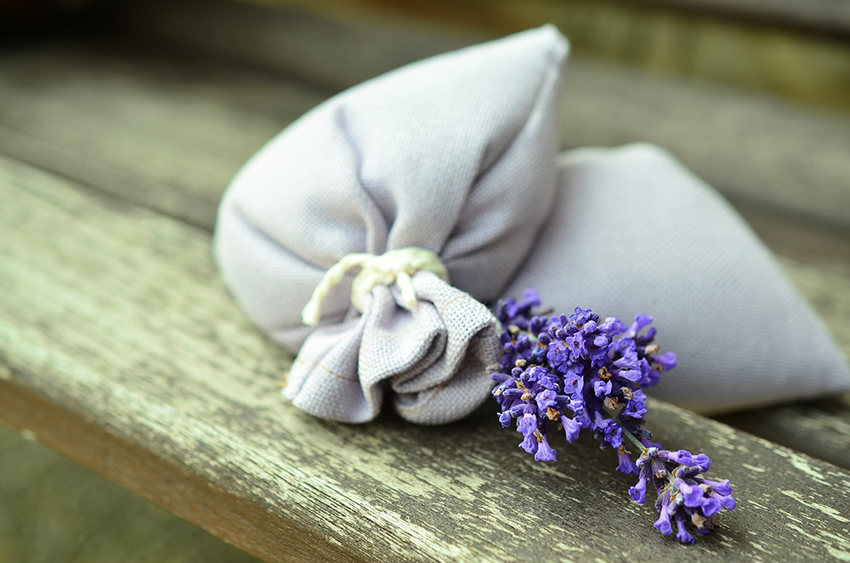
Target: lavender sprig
(577, 372)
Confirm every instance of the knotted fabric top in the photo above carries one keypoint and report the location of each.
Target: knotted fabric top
(395, 266)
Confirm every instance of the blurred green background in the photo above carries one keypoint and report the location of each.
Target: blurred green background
(52, 510)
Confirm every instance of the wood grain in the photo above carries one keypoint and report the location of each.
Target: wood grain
(162, 131)
(820, 429)
(120, 348)
(829, 15)
(748, 145)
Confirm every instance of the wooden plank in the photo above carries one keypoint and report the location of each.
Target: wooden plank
(120, 348)
(819, 16)
(750, 146)
(820, 429)
(824, 15)
(163, 131)
(753, 149)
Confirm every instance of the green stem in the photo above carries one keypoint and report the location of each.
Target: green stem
(632, 438)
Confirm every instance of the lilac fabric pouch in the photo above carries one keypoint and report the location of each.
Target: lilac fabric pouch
(457, 156)
(454, 155)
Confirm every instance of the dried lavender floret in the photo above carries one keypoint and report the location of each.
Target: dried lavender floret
(683, 494)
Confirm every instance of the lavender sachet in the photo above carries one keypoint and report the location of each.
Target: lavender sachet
(371, 236)
(569, 373)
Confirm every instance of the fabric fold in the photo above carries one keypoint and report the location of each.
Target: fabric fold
(454, 155)
(434, 358)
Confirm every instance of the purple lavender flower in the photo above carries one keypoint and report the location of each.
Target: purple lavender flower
(683, 494)
(509, 312)
(544, 450)
(574, 372)
(577, 370)
(625, 465)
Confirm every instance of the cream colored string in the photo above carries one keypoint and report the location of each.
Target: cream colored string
(395, 266)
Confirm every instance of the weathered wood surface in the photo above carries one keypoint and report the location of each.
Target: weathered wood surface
(120, 348)
(169, 130)
(820, 429)
(163, 132)
(829, 15)
(749, 146)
